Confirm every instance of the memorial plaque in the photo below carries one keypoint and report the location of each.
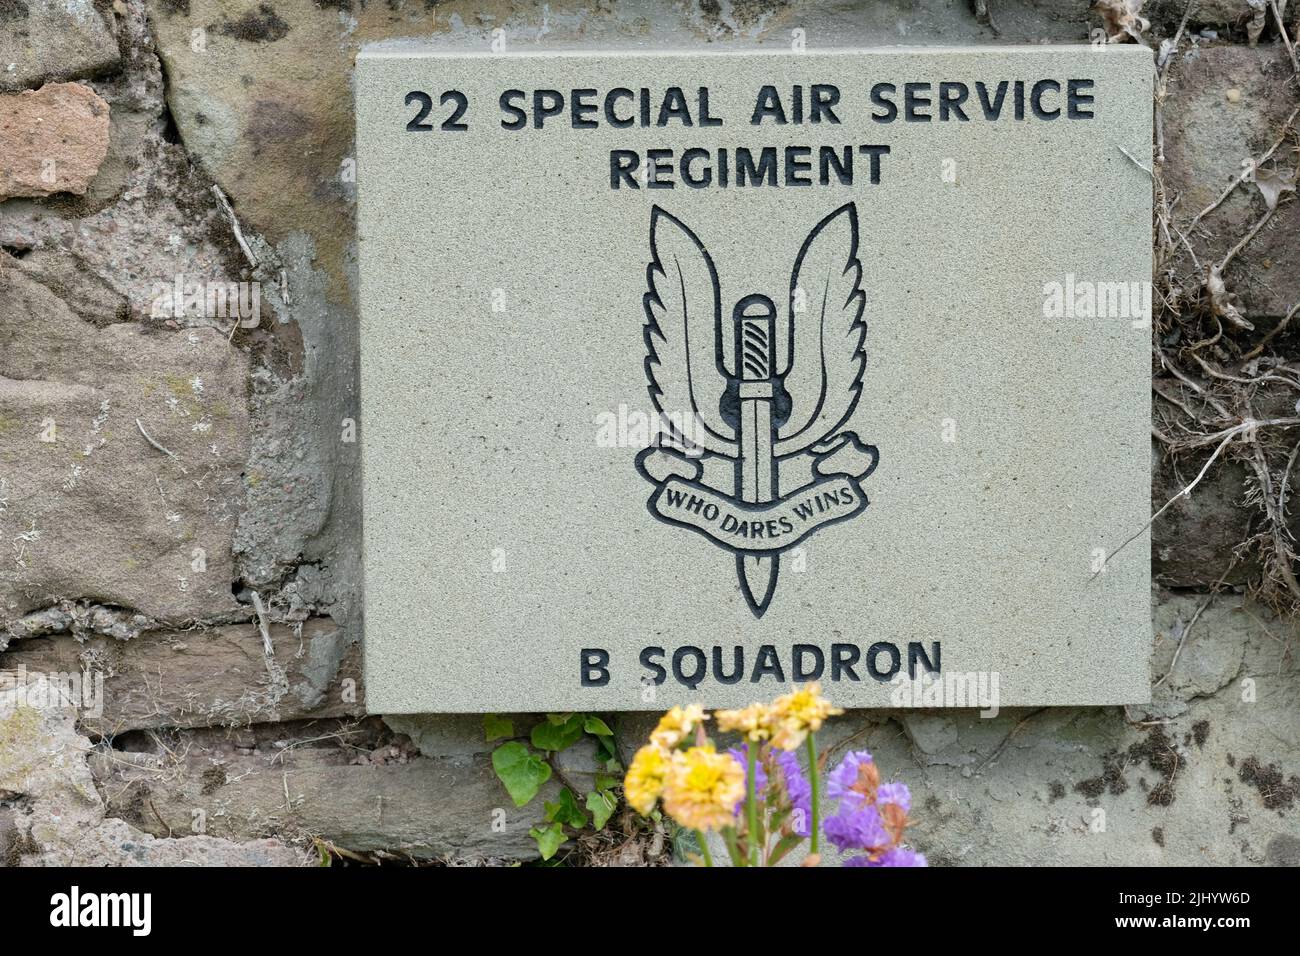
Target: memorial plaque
(687, 376)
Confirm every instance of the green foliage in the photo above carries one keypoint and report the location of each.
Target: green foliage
(549, 839)
(604, 740)
(566, 810)
(554, 736)
(496, 727)
(523, 771)
(323, 855)
(602, 805)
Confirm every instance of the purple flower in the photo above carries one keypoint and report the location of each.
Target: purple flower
(760, 777)
(896, 857)
(798, 789)
(841, 780)
(900, 856)
(895, 793)
(857, 829)
(797, 786)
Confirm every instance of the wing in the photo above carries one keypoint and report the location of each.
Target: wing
(824, 357)
(683, 362)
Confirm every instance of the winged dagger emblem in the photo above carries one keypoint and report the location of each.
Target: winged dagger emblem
(752, 401)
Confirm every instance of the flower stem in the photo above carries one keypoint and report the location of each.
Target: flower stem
(729, 837)
(703, 840)
(751, 801)
(814, 780)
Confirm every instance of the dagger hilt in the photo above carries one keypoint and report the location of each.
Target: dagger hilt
(755, 318)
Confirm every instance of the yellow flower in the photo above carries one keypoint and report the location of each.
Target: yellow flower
(703, 788)
(676, 725)
(645, 778)
(799, 713)
(754, 722)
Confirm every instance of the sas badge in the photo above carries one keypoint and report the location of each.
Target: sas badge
(751, 454)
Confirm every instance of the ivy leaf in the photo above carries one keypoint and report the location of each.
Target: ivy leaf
(605, 751)
(602, 805)
(550, 736)
(566, 810)
(558, 719)
(520, 770)
(606, 781)
(549, 839)
(597, 727)
(495, 727)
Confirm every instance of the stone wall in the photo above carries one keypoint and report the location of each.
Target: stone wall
(179, 492)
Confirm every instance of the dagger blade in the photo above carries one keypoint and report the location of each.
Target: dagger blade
(756, 464)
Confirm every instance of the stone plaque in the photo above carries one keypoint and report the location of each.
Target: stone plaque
(686, 376)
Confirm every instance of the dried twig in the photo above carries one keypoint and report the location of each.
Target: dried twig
(1134, 161)
(151, 441)
(260, 609)
(1281, 32)
(997, 751)
(1272, 334)
(234, 225)
(1286, 478)
(1162, 83)
(1195, 617)
(1245, 173)
(1282, 554)
(1227, 435)
(1244, 241)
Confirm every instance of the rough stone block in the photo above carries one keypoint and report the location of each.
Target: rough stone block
(1204, 13)
(324, 781)
(90, 506)
(54, 816)
(70, 277)
(52, 140)
(1194, 543)
(44, 40)
(1227, 104)
(205, 677)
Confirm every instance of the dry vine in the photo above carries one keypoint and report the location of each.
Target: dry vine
(1220, 387)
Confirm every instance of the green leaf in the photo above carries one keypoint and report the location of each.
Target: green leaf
(597, 727)
(602, 805)
(552, 737)
(549, 839)
(558, 719)
(520, 770)
(783, 846)
(495, 727)
(606, 781)
(566, 810)
(605, 751)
